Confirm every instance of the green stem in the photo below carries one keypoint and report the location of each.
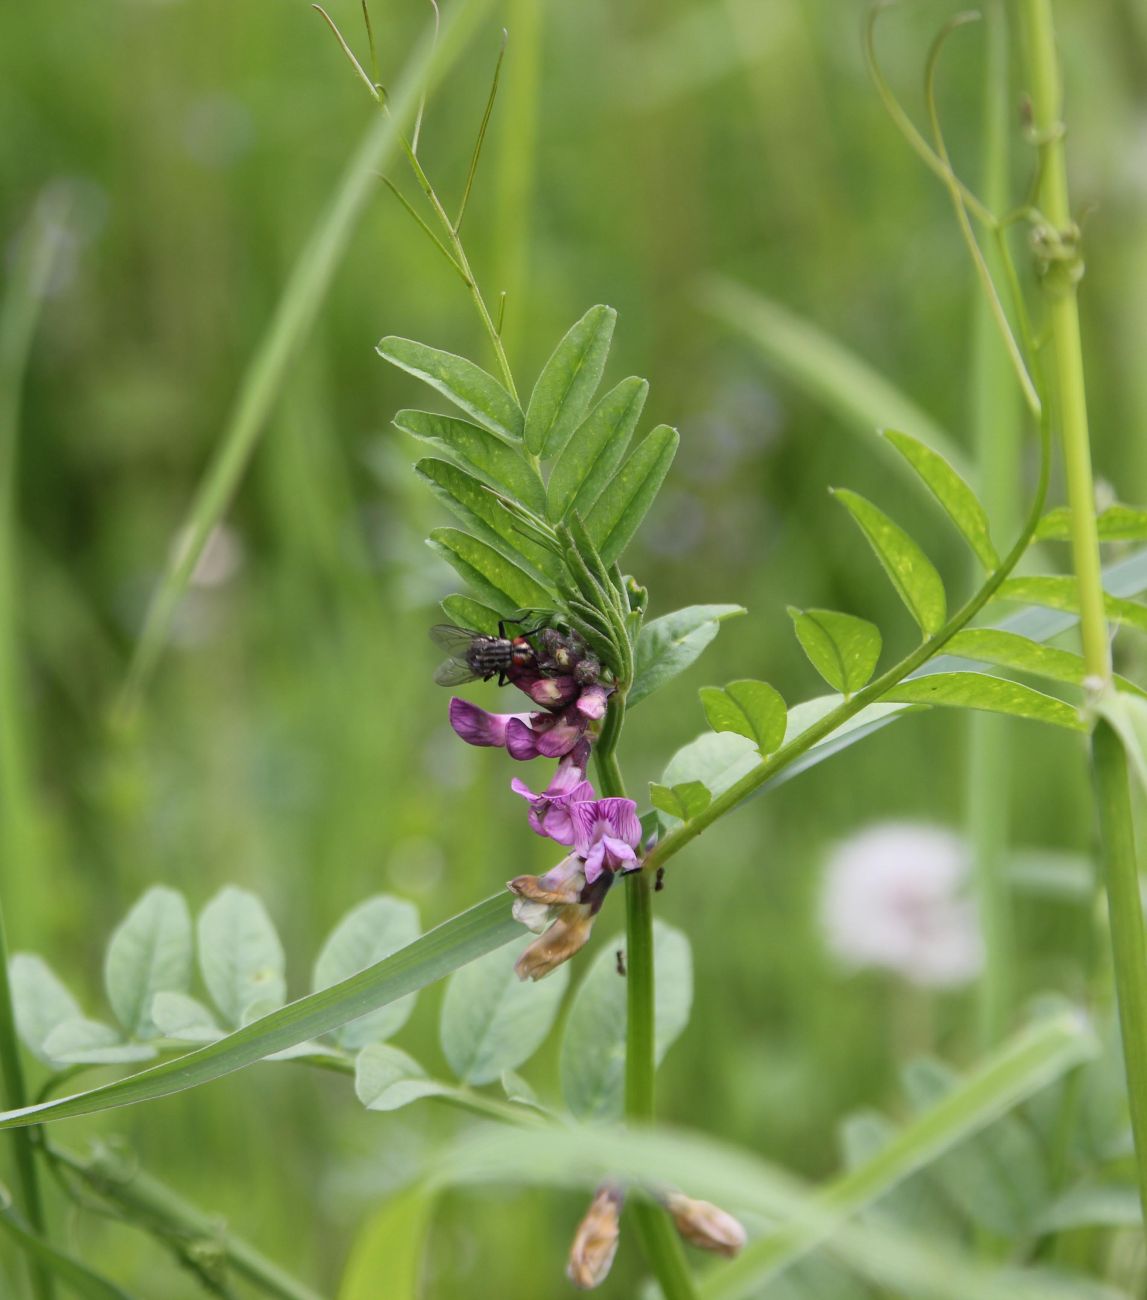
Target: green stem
(1124, 906)
(153, 1207)
(678, 838)
(19, 830)
(1060, 279)
(659, 1239)
(995, 418)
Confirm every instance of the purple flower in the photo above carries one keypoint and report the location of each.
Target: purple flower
(605, 834)
(549, 811)
(549, 692)
(545, 735)
(477, 727)
(593, 701)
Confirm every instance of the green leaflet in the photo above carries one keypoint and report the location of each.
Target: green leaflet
(387, 1078)
(842, 648)
(1118, 523)
(1063, 593)
(595, 450)
(593, 1048)
(450, 945)
(568, 382)
(465, 612)
(622, 506)
(486, 454)
(749, 708)
(482, 512)
(240, 955)
(715, 759)
(386, 1258)
(370, 931)
(92, 1042)
(983, 691)
(681, 801)
(497, 581)
(957, 498)
(40, 1000)
(492, 1021)
(468, 386)
(1010, 650)
(668, 645)
(149, 952)
(912, 574)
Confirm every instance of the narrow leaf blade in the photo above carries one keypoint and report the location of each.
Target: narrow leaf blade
(370, 931)
(595, 450)
(911, 572)
(984, 691)
(485, 516)
(468, 386)
(950, 490)
(464, 937)
(1057, 592)
(568, 382)
(495, 580)
(485, 454)
(618, 512)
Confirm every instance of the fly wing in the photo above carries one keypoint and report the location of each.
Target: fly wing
(454, 640)
(454, 672)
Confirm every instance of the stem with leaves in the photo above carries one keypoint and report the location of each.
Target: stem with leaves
(1062, 268)
(659, 1240)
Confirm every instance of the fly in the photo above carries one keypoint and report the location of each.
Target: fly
(475, 655)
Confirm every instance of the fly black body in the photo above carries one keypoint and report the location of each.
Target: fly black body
(474, 655)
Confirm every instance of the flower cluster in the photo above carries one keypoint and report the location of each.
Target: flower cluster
(602, 835)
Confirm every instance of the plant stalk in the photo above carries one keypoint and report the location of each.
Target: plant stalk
(19, 830)
(997, 429)
(659, 1239)
(153, 1207)
(1125, 910)
(1062, 270)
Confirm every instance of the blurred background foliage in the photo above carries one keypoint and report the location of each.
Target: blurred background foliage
(293, 741)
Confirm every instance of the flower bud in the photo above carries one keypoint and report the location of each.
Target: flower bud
(567, 936)
(595, 1242)
(705, 1225)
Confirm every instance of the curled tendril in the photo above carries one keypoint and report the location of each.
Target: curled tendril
(957, 192)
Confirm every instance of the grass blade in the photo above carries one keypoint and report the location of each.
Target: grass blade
(822, 367)
(294, 314)
(464, 937)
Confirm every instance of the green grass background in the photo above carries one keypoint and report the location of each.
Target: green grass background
(293, 741)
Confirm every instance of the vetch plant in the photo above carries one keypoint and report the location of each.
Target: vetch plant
(549, 486)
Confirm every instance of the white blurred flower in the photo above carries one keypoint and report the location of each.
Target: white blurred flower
(894, 897)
